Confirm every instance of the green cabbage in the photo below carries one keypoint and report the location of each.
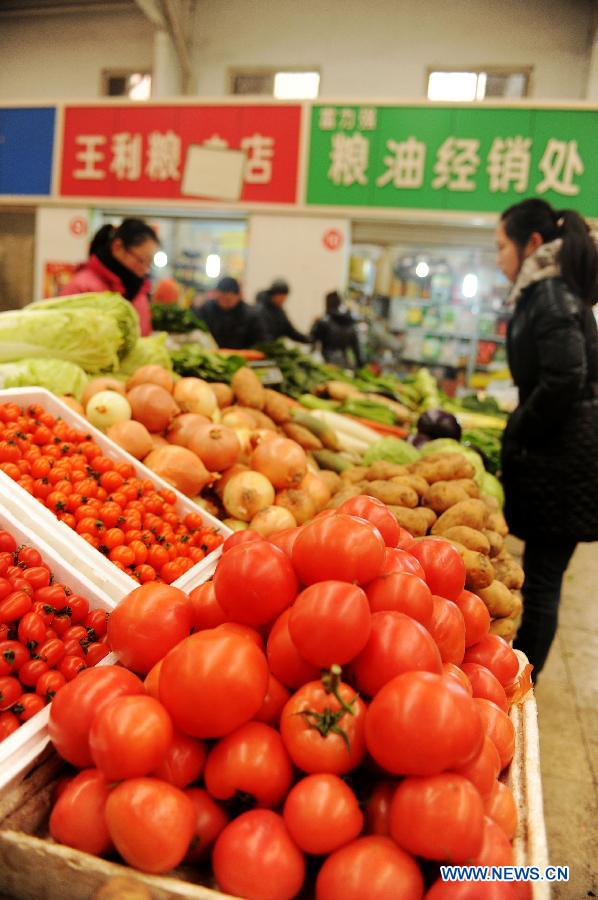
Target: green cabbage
(491, 487)
(391, 449)
(56, 375)
(147, 351)
(109, 304)
(90, 338)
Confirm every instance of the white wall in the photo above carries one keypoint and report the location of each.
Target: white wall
(51, 57)
(294, 249)
(375, 49)
(61, 236)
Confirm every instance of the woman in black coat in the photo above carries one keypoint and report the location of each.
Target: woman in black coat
(550, 445)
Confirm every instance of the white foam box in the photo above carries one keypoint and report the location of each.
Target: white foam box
(65, 540)
(21, 750)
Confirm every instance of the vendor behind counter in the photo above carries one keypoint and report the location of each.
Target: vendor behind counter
(232, 322)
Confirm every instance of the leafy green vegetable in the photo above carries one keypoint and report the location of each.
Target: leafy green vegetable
(56, 375)
(147, 351)
(193, 360)
(173, 318)
(301, 374)
(110, 305)
(391, 449)
(488, 405)
(492, 487)
(368, 409)
(487, 442)
(90, 338)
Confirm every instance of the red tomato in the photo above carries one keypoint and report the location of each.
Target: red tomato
(29, 557)
(251, 760)
(245, 630)
(49, 684)
(330, 623)
(484, 684)
(403, 593)
(501, 807)
(396, 644)
(151, 823)
(284, 659)
(338, 548)
(444, 569)
(15, 606)
(254, 582)
(499, 729)
(207, 612)
(51, 651)
(496, 847)
(372, 867)
(184, 760)
(28, 706)
(147, 623)
(95, 652)
(6, 588)
(31, 671)
(130, 736)
(10, 691)
(211, 818)
(483, 770)
(405, 539)
(38, 576)
(323, 729)
(152, 680)
(448, 630)
(71, 665)
(285, 539)
(255, 850)
(79, 608)
(53, 595)
(12, 656)
(450, 670)
(398, 560)
(421, 724)
(377, 513)
(321, 813)
(246, 536)
(494, 653)
(438, 817)
(476, 615)
(97, 621)
(77, 819)
(76, 705)
(8, 724)
(7, 542)
(377, 809)
(213, 682)
(274, 701)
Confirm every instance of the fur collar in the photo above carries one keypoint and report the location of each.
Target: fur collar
(542, 264)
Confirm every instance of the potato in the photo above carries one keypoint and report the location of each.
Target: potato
(496, 522)
(391, 493)
(469, 537)
(442, 467)
(332, 480)
(354, 474)
(467, 512)
(480, 571)
(499, 599)
(302, 436)
(277, 406)
(505, 627)
(441, 495)
(468, 485)
(248, 389)
(496, 542)
(223, 392)
(416, 521)
(350, 490)
(261, 419)
(419, 484)
(491, 502)
(383, 470)
(508, 572)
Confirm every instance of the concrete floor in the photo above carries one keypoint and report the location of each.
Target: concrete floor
(567, 697)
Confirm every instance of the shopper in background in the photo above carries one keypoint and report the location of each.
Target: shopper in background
(336, 334)
(275, 321)
(550, 445)
(232, 322)
(119, 261)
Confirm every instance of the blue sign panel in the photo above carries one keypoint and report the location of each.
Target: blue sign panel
(26, 144)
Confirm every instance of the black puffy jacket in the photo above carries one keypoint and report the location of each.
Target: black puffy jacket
(550, 446)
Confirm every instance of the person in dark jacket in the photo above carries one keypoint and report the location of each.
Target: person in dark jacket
(336, 333)
(550, 444)
(275, 321)
(232, 322)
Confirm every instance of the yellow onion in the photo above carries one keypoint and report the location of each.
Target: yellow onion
(245, 494)
(272, 519)
(152, 374)
(281, 460)
(317, 490)
(181, 429)
(153, 406)
(194, 395)
(103, 383)
(132, 437)
(179, 467)
(217, 446)
(299, 503)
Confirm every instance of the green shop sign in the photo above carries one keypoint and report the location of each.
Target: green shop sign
(452, 158)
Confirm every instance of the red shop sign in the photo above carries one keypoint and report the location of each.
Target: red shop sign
(147, 152)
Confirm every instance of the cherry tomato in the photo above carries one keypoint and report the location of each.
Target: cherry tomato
(79, 608)
(372, 867)
(321, 813)
(53, 595)
(151, 823)
(28, 706)
(330, 623)
(7, 542)
(52, 652)
(31, 671)
(28, 557)
(78, 816)
(38, 576)
(97, 621)
(48, 685)
(16, 605)
(71, 665)
(32, 630)
(8, 724)
(10, 691)
(338, 548)
(12, 656)
(95, 652)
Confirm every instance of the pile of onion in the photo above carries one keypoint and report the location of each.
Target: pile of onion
(281, 460)
(153, 406)
(217, 446)
(272, 519)
(183, 427)
(104, 383)
(152, 374)
(179, 467)
(106, 408)
(133, 437)
(246, 494)
(193, 395)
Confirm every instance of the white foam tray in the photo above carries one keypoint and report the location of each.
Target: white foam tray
(22, 747)
(65, 540)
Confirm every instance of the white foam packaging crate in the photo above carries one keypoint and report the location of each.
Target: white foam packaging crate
(65, 540)
(25, 745)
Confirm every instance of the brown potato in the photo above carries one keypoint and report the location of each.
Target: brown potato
(350, 490)
(391, 493)
(302, 436)
(248, 389)
(419, 484)
(442, 467)
(277, 406)
(223, 392)
(505, 627)
(383, 470)
(496, 542)
(480, 571)
(496, 522)
(508, 571)
(441, 495)
(499, 599)
(332, 480)
(469, 537)
(491, 502)
(468, 485)
(416, 521)
(261, 419)
(354, 474)
(467, 512)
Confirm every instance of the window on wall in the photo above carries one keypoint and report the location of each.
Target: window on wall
(285, 84)
(126, 83)
(478, 84)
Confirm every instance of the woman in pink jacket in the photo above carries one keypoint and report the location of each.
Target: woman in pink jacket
(119, 260)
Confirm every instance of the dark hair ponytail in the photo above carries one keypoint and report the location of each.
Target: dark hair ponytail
(578, 256)
(131, 232)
